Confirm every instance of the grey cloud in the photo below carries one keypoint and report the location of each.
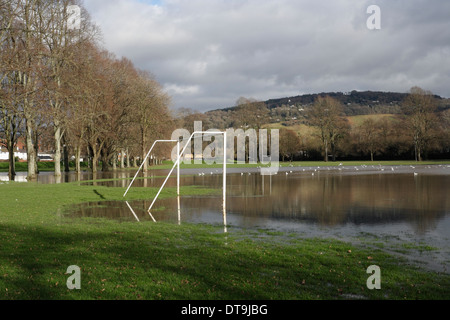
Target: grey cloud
(210, 52)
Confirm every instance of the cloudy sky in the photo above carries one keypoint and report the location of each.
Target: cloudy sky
(208, 53)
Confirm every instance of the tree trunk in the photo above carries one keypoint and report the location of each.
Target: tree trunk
(114, 161)
(122, 158)
(105, 164)
(105, 161)
(12, 162)
(66, 158)
(57, 156)
(36, 149)
(10, 132)
(77, 159)
(65, 153)
(94, 162)
(145, 167)
(31, 152)
(95, 157)
(333, 151)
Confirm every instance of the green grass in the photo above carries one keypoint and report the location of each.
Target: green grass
(169, 164)
(49, 166)
(367, 163)
(42, 166)
(146, 260)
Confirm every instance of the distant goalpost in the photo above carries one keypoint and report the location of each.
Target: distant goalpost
(177, 164)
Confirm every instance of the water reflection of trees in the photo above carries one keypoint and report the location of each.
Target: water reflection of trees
(325, 199)
(338, 199)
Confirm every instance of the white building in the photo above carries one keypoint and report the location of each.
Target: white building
(20, 154)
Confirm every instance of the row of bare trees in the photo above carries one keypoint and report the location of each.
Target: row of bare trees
(324, 131)
(55, 77)
(420, 125)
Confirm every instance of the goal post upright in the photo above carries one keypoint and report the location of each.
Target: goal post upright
(224, 180)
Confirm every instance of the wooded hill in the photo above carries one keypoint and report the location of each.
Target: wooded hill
(290, 110)
(372, 123)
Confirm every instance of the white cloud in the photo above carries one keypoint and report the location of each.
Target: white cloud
(207, 53)
(181, 90)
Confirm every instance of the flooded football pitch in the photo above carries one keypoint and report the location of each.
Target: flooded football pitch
(407, 205)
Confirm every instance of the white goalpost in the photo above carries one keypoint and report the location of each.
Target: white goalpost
(177, 164)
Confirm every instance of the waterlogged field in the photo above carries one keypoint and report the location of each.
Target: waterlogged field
(42, 235)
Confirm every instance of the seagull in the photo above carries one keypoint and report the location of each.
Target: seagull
(415, 173)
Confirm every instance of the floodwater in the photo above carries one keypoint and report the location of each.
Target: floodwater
(403, 204)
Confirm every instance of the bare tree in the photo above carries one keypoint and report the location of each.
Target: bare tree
(325, 114)
(60, 44)
(24, 34)
(251, 113)
(370, 136)
(10, 121)
(290, 144)
(151, 112)
(419, 108)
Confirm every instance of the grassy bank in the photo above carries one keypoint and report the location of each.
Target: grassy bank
(130, 260)
(42, 166)
(169, 164)
(49, 166)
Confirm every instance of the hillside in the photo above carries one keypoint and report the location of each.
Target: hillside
(290, 111)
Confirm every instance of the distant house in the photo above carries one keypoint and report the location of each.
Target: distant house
(4, 155)
(20, 153)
